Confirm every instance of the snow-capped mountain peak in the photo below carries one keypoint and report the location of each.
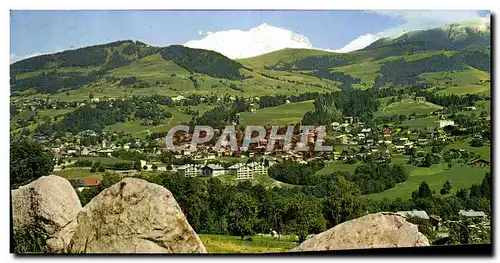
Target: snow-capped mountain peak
(256, 41)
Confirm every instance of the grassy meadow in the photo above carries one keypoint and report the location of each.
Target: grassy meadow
(279, 115)
(258, 244)
(436, 175)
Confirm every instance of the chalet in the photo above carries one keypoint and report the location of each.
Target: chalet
(348, 119)
(335, 125)
(415, 213)
(178, 98)
(470, 108)
(480, 162)
(213, 170)
(366, 130)
(422, 142)
(81, 184)
(341, 139)
(345, 127)
(85, 152)
(105, 153)
(420, 99)
(463, 214)
(408, 145)
(380, 159)
(444, 123)
(399, 148)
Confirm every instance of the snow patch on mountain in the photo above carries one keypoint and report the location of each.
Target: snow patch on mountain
(358, 43)
(254, 42)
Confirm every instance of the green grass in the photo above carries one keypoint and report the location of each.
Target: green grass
(484, 151)
(336, 166)
(137, 130)
(366, 71)
(406, 107)
(461, 82)
(268, 182)
(129, 127)
(399, 159)
(54, 112)
(73, 173)
(421, 123)
(234, 244)
(436, 175)
(285, 55)
(201, 108)
(279, 115)
(103, 160)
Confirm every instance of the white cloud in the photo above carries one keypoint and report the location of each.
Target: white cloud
(200, 33)
(256, 41)
(413, 20)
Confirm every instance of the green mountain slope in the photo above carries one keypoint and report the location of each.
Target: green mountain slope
(474, 34)
(126, 68)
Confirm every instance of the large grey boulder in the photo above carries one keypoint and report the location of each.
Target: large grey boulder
(46, 206)
(134, 216)
(380, 230)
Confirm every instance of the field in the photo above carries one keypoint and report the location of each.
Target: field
(137, 130)
(279, 115)
(367, 70)
(484, 151)
(436, 175)
(285, 55)
(234, 244)
(335, 166)
(103, 160)
(74, 173)
(421, 123)
(460, 82)
(54, 112)
(407, 107)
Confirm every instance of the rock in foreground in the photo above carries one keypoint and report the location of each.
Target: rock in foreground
(47, 207)
(134, 216)
(380, 230)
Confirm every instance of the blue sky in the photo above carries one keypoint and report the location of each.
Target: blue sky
(39, 32)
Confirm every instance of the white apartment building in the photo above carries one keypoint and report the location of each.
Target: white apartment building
(247, 171)
(190, 170)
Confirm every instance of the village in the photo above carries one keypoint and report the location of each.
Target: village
(351, 140)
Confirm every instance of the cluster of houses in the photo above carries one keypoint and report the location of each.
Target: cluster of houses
(478, 218)
(73, 148)
(389, 139)
(240, 170)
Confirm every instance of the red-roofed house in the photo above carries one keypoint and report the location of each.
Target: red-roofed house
(88, 182)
